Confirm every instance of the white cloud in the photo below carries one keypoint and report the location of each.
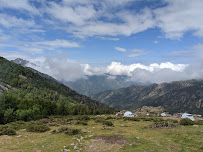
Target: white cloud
(156, 42)
(131, 53)
(120, 49)
(103, 18)
(136, 52)
(12, 21)
(180, 16)
(19, 5)
(58, 43)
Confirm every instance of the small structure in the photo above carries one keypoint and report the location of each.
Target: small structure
(128, 114)
(163, 114)
(189, 116)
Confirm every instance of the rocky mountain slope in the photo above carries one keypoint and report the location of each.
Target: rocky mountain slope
(180, 96)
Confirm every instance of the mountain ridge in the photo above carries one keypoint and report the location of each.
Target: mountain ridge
(178, 96)
(31, 83)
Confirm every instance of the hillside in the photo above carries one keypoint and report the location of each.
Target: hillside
(182, 96)
(99, 83)
(26, 88)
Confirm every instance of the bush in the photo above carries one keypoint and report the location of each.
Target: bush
(84, 118)
(164, 124)
(17, 125)
(60, 130)
(186, 122)
(108, 123)
(81, 123)
(99, 120)
(131, 119)
(157, 119)
(109, 118)
(5, 130)
(72, 131)
(198, 122)
(37, 127)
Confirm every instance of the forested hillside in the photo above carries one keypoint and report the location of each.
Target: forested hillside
(27, 94)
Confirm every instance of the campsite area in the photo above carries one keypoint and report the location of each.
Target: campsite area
(102, 133)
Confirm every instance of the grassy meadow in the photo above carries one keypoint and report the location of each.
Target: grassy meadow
(92, 135)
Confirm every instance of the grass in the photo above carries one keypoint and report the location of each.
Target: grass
(178, 139)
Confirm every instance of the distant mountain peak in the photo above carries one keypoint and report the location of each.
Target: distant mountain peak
(23, 62)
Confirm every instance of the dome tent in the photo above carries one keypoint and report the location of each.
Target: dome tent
(128, 114)
(189, 116)
(163, 114)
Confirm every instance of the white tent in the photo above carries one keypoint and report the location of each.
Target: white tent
(128, 114)
(163, 114)
(189, 116)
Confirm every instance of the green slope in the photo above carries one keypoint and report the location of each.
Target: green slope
(20, 84)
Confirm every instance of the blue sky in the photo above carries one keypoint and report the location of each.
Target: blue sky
(100, 32)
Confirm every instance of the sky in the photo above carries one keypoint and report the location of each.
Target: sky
(148, 40)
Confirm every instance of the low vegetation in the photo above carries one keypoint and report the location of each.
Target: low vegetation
(186, 122)
(5, 130)
(147, 134)
(37, 127)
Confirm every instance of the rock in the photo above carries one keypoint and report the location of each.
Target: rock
(81, 138)
(105, 127)
(90, 135)
(19, 136)
(195, 126)
(64, 147)
(72, 144)
(43, 146)
(78, 140)
(84, 131)
(75, 147)
(138, 137)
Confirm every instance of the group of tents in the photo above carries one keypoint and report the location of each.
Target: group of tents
(184, 115)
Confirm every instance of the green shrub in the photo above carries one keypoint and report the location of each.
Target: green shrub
(109, 118)
(5, 130)
(37, 127)
(71, 131)
(99, 120)
(163, 124)
(60, 130)
(186, 122)
(17, 125)
(198, 122)
(84, 117)
(81, 123)
(108, 123)
(131, 119)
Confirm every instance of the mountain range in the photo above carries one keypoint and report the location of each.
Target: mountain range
(118, 92)
(180, 96)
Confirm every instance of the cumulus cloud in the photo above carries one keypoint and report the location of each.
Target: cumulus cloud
(64, 69)
(103, 18)
(18, 4)
(12, 21)
(180, 16)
